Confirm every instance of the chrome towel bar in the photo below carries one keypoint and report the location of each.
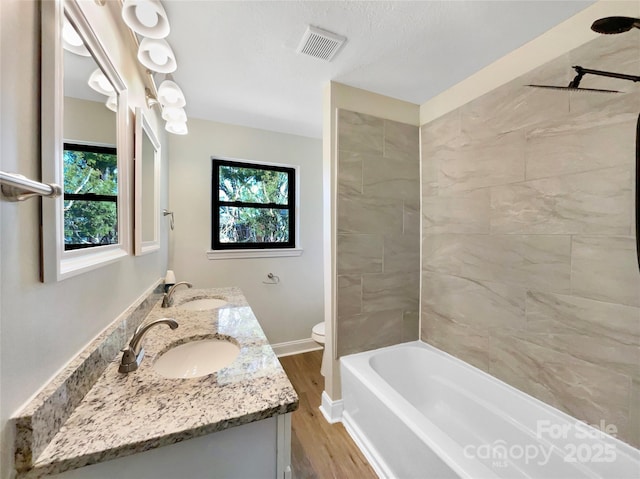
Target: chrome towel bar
(18, 188)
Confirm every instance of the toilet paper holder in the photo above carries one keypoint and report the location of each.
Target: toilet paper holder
(273, 279)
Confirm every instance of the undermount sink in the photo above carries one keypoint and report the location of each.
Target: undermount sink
(202, 304)
(196, 358)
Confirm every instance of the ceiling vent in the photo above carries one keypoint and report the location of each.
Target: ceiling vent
(320, 43)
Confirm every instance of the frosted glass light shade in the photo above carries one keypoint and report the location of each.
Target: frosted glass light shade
(100, 83)
(146, 17)
(170, 95)
(157, 55)
(112, 102)
(176, 127)
(71, 41)
(174, 114)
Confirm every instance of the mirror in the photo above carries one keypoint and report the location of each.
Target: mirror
(84, 146)
(147, 187)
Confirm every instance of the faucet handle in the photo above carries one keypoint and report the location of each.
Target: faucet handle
(130, 361)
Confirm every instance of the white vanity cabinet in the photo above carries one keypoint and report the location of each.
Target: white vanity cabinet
(258, 450)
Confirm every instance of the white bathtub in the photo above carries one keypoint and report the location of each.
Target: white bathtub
(417, 412)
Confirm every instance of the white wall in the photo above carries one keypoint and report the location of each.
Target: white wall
(286, 311)
(43, 326)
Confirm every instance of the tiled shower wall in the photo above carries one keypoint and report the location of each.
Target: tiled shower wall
(529, 268)
(378, 242)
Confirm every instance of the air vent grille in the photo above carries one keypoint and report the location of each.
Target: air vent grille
(320, 43)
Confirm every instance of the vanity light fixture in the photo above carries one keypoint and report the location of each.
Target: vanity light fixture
(99, 82)
(146, 17)
(150, 99)
(176, 127)
(112, 103)
(170, 94)
(174, 114)
(71, 41)
(157, 55)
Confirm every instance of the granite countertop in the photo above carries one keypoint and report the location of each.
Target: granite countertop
(127, 413)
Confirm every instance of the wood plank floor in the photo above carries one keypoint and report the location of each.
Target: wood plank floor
(319, 450)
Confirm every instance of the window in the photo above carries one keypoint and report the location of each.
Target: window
(253, 206)
(90, 196)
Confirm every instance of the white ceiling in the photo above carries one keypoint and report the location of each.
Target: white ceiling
(237, 60)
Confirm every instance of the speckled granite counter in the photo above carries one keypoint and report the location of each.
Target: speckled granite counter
(127, 413)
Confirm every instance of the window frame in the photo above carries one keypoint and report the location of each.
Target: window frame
(221, 250)
(92, 148)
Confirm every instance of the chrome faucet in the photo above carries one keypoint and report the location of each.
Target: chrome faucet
(132, 355)
(167, 299)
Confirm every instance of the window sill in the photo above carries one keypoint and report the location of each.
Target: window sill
(253, 253)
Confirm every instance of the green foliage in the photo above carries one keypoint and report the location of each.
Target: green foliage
(87, 221)
(244, 224)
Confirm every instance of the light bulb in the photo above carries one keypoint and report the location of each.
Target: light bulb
(146, 17)
(176, 127)
(157, 55)
(71, 41)
(174, 114)
(112, 103)
(100, 83)
(170, 95)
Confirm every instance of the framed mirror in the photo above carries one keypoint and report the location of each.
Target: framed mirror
(147, 187)
(85, 146)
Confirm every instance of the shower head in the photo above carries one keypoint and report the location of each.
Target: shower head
(612, 25)
(574, 85)
(574, 88)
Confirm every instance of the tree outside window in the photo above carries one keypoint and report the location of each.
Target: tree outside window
(90, 196)
(253, 205)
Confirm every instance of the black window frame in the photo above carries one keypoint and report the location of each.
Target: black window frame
(216, 204)
(89, 148)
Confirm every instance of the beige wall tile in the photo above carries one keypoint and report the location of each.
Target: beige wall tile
(465, 343)
(445, 131)
(363, 332)
(401, 253)
(349, 295)
(411, 218)
(359, 254)
(387, 178)
(589, 392)
(401, 141)
(360, 133)
(586, 391)
(475, 304)
(488, 163)
(577, 147)
(597, 202)
(350, 172)
(410, 326)
(634, 414)
(605, 268)
(361, 214)
(466, 212)
(390, 291)
(564, 314)
(513, 107)
(539, 262)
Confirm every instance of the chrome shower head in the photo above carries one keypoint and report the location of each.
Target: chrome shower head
(613, 25)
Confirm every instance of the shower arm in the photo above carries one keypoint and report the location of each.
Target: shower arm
(588, 71)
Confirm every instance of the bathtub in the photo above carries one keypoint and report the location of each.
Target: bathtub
(418, 412)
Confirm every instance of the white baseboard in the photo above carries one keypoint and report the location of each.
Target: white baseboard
(330, 409)
(375, 461)
(295, 347)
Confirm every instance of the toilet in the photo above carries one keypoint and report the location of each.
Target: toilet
(317, 333)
